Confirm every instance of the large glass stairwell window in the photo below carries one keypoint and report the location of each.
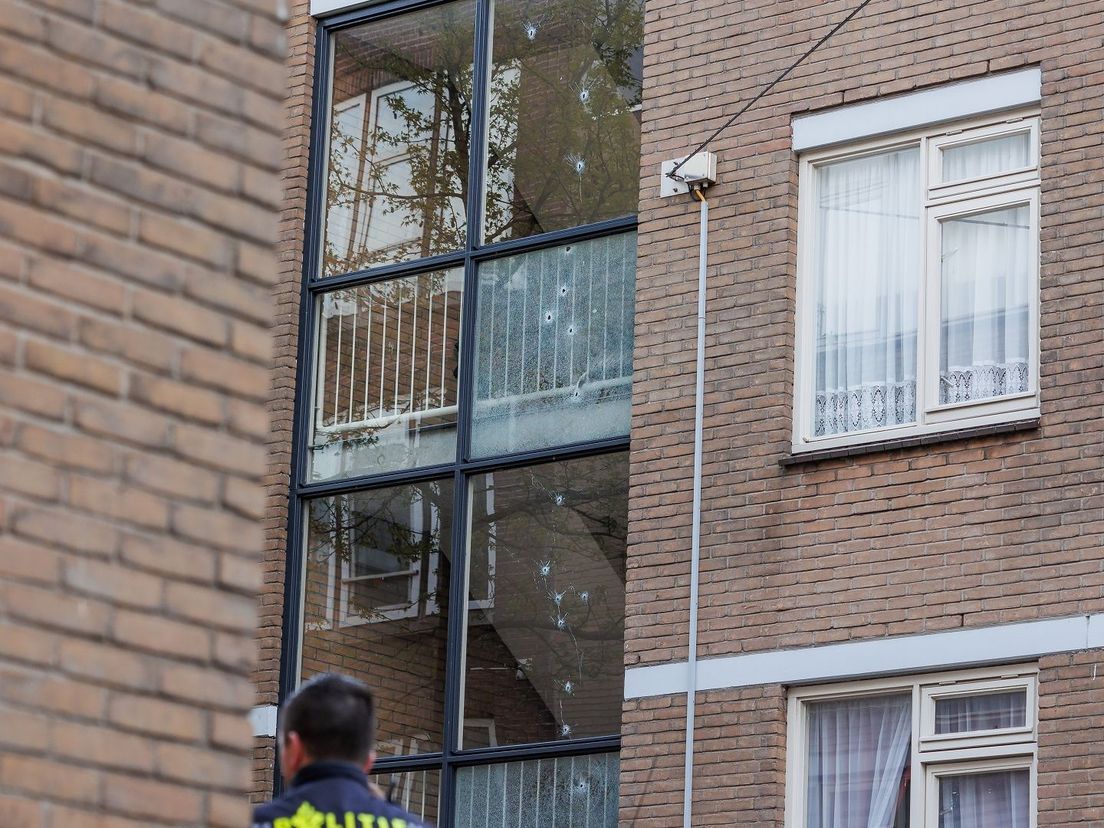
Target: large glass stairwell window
(460, 478)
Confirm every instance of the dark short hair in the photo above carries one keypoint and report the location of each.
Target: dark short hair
(334, 717)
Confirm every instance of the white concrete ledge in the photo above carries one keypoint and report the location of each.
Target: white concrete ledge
(994, 93)
(318, 8)
(975, 646)
(655, 680)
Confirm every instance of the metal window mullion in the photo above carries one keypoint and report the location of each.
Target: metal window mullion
(383, 273)
(454, 648)
(447, 261)
(538, 750)
(454, 659)
(556, 238)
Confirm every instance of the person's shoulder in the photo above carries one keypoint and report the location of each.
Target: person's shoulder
(267, 812)
(289, 806)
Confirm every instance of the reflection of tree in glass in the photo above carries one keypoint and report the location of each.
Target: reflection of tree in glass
(408, 169)
(562, 129)
(564, 141)
(381, 522)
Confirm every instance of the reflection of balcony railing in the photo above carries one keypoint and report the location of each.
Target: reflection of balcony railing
(387, 351)
(378, 423)
(613, 388)
(554, 330)
(556, 320)
(555, 398)
(548, 398)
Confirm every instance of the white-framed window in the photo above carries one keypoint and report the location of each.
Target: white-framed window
(382, 144)
(390, 571)
(918, 261)
(947, 750)
(387, 566)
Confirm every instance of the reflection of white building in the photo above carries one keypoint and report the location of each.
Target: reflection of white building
(383, 143)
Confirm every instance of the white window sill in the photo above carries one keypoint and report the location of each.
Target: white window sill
(1025, 421)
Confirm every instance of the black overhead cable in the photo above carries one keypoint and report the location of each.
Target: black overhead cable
(674, 170)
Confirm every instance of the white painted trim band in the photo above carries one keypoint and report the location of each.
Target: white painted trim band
(263, 719)
(884, 656)
(917, 109)
(321, 7)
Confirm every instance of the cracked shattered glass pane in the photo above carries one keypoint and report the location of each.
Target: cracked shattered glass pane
(545, 634)
(564, 116)
(554, 338)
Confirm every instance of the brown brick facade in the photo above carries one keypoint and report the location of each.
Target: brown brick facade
(139, 185)
(297, 120)
(961, 534)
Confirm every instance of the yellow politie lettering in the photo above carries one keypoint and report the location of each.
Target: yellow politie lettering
(367, 820)
(282, 822)
(350, 819)
(331, 821)
(307, 817)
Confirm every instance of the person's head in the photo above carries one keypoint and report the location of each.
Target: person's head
(330, 717)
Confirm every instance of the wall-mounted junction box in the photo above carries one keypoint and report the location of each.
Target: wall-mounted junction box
(701, 168)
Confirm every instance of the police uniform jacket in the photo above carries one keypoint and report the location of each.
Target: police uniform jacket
(331, 795)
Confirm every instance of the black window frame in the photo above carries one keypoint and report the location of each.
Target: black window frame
(313, 287)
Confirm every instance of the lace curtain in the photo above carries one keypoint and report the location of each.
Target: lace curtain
(989, 711)
(858, 752)
(867, 285)
(867, 282)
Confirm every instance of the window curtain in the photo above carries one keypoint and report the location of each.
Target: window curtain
(985, 800)
(989, 157)
(989, 711)
(858, 752)
(868, 265)
(984, 298)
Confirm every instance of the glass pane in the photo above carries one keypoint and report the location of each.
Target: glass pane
(567, 792)
(867, 277)
(858, 762)
(985, 800)
(545, 653)
(554, 333)
(386, 627)
(564, 115)
(985, 297)
(388, 360)
(989, 157)
(990, 711)
(399, 135)
(417, 792)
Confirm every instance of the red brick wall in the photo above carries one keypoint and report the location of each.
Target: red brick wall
(139, 157)
(296, 118)
(967, 533)
(961, 534)
(1071, 757)
(959, 517)
(652, 760)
